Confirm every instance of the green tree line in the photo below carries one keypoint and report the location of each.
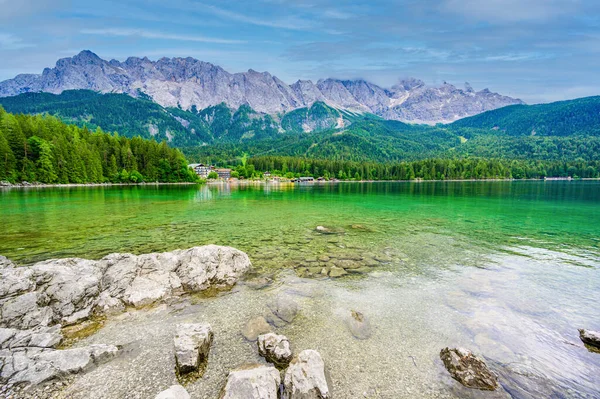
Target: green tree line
(429, 169)
(38, 148)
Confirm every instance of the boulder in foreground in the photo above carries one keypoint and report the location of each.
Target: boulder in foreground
(252, 382)
(192, 344)
(468, 369)
(174, 392)
(306, 378)
(275, 349)
(591, 338)
(68, 291)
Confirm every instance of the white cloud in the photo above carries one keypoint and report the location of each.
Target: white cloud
(282, 23)
(517, 57)
(494, 11)
(157, 35)
(11, 42)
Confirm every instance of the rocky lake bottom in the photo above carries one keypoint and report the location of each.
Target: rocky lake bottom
(509, 272)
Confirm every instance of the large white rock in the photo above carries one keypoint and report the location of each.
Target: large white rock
(305, 378)
(174, 392)
(252, 382)
(211, 265)
(68, 291)
(192, 344)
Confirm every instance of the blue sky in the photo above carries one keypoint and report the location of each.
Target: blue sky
(538, 50)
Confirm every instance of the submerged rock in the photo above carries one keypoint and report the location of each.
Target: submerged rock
(68, 291)
(275, 349)
(335, 271)
(192, 344)
(252, 382)
(358, 324)
(283, 308)
(174, 392)
(468, 369)
(306, 378)
(591, 338)
(255, 327)
(328, 230)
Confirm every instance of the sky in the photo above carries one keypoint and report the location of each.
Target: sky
(536, 50)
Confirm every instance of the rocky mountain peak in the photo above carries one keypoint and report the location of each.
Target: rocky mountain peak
(188, 82)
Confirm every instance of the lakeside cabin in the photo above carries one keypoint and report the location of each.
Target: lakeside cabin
(306, 179)
(224, 173)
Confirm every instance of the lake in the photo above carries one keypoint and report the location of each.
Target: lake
(509, 270)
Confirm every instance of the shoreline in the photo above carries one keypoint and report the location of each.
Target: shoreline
(44, 185)
(222, 182)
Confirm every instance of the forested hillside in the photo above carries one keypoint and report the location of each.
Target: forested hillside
(377, 140)
(563, 118)
(142, 117)
(559, 133)
(114, 112)
(44, 149)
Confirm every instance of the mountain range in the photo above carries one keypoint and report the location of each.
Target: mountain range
(190, 84)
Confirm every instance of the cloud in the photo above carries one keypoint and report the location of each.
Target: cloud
(336, 14)
(496, 11)
(157, 35)
(11, 42)
(292, 23)
(14, 9)
(513, 57)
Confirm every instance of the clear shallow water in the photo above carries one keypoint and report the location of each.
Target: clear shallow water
(507, 269)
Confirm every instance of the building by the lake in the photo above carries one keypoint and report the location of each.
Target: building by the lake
(201, 169)
(224, 174)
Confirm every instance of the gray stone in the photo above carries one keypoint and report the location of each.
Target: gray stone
(347, 264)
(335, 271)
(252, 382)
(174, 392)
(68, 286)
(211, 266)
(358, 324)
(192, 345)
(255, 327)
(468, 369)
(37, 366)
(328, 230)
(306, 377)
(591, 338)
(23, 312)
(6, 335)
(6, 263)
(109, 305)
(284, 308)
(39, 337)
(275, 349)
